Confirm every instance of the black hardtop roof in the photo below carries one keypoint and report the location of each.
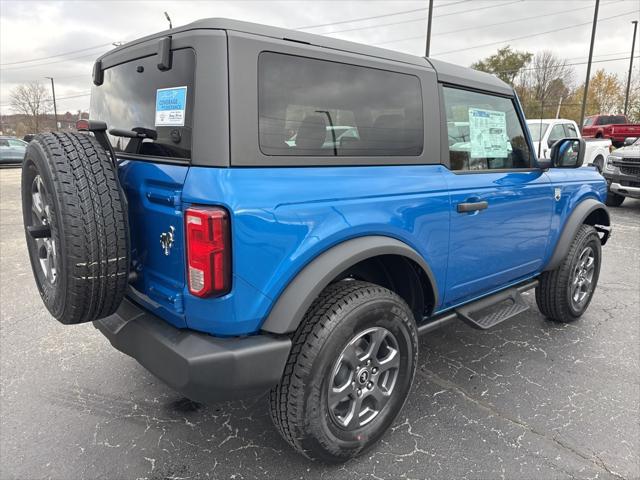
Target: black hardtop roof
(447, 72)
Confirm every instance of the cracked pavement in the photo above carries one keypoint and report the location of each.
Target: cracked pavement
(528, 399)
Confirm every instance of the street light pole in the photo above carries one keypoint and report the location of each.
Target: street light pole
(633, 45)
(55, 108)
(428, 48)
(586, 83)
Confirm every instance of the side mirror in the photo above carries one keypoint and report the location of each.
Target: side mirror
(545, 163)
(630, 141)
(551, 143)
(568, 153)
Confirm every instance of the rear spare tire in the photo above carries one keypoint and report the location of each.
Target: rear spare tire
(75, 218)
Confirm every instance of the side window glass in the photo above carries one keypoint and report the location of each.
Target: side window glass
(311, 107)
(570, 130)
(557, 132)
(484, 132)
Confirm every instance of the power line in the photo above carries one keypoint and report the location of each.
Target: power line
(500, 23)
(420, 18)
(307, 27)
(56, 55)
(460, 12)
(108, 44)
(533, 34)
(563, 65)
(59, 98)
(599, 55)
(516, 20)
(50, 63)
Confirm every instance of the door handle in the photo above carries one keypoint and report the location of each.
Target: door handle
(472, 206)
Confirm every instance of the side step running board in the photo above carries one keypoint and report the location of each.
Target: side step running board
(486, 312)
(494, 309)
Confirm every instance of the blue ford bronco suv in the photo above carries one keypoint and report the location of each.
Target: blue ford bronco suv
(252, 210)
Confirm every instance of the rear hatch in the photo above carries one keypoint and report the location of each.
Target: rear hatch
(137, 96)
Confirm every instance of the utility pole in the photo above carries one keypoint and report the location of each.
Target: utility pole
(55, 108)
(428, 49)
(633, 45)
(559, 105)
(586, 83)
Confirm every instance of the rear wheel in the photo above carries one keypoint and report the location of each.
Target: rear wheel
(564, 294)
(75, 220)
(349, 373)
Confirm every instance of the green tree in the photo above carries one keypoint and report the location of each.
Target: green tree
(506, 64)
(605, 96)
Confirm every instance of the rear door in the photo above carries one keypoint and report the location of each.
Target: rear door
(136, 95)
(500, 204)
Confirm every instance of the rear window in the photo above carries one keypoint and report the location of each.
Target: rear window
(137, 95)
(611, 119)
(310, 107)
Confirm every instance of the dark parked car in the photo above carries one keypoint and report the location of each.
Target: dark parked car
(11, 150)
(622, 172)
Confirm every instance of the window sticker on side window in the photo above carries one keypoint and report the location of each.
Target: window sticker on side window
(488, 133)
(171, 104)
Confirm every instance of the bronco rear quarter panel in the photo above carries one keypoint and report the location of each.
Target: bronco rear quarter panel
(283, 218)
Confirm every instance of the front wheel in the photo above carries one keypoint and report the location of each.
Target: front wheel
(598, 162)
(613, 199)
(349, 372)
(564, 294)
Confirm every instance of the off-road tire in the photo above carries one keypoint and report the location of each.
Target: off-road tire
(86, 211)
(613, 199)
(553, 294)
(298, 404)
(598, 162)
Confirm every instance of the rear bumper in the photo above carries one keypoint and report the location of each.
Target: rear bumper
(201, 367)
(618, 138)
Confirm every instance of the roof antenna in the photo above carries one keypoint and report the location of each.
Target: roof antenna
(168, 20)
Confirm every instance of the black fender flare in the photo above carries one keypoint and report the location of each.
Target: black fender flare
(580, 213)
(296, 298)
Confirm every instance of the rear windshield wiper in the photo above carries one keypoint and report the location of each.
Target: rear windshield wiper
(137, 132)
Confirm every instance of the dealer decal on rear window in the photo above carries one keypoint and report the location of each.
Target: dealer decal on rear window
(488, 133)
(171, 104)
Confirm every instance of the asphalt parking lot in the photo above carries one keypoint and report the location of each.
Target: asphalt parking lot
(528, 399)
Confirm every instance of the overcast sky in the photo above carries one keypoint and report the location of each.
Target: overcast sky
(49, 32)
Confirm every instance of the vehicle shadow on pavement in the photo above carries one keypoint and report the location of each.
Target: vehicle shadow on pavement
(503, 393)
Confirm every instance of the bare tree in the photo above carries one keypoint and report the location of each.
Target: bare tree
(542, 85)
(33, 101)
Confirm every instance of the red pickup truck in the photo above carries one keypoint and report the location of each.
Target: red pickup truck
(615, 127)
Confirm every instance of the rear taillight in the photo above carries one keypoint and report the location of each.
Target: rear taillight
(208, 251)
